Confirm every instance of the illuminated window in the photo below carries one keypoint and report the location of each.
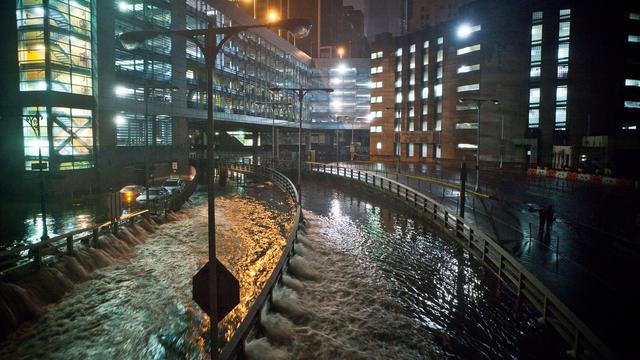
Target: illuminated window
(412, 48)
(634, 16)
(68, 43)
(561, 94)
(534, 118)
(536, 54)
(468, 49)
(425, 92)
(376, 129)
(423, 149)
(534, 96)
(378, 145)
(376, 70)
(536, 33)
(399, 52)
(440, 40)
(563, 51)
(536, 16)
(632, 104)
(471, 87)
(563, 71)
(439, 55)
(410, 150)
(535, 72)
(376, 55)
(468, 68)
(437, 90)
(398, 97)
(425, 45)
(33, 143)
(632, 82)
(412, 95)
(564, 29)
(561, 118)
(71, 138)
(634, 38)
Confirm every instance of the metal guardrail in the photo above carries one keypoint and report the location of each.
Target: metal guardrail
(235, 347)
(584, 343)
(33, 254)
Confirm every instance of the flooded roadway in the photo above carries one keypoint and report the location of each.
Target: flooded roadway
(368, 281)
(373, 282)
(141, 308)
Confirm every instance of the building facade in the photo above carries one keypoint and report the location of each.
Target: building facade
(560, 100)
(106, 113)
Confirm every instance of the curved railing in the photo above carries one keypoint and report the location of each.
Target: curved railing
(584, 343)
(235, 347)
(33, 254)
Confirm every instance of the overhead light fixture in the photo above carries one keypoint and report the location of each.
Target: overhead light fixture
(464, 31)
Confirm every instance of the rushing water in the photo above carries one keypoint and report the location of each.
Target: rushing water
(140, 307)
(372, 282)
(367, 281)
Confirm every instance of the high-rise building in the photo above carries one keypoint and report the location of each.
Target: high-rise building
(567, 90)
(423, 13)
(105, 111)
(383, 16)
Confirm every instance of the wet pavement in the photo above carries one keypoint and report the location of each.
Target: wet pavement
(579, 263)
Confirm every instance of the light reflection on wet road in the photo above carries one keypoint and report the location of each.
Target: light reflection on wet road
(142, 308)
(358, 237)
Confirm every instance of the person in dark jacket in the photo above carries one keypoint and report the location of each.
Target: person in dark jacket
(549, 219)
(542, 213)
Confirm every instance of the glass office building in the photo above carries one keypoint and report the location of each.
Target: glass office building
(104, 110)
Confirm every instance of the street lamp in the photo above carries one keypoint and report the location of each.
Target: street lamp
(301, 92)
(274, 152)
(34, 122)
(131, 40)
(478, 103)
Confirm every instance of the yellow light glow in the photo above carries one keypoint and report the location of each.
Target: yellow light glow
(273, 16)
(341, 52)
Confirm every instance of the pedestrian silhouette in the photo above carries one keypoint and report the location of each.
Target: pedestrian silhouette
(549, 219)
(542, 213)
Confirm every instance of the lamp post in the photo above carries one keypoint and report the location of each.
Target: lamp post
(273, 104)
(478, 102)
(34, 122)
(301, 92)
(132, 40)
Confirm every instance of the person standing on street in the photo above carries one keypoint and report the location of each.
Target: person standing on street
(549, 219)
(542, 212)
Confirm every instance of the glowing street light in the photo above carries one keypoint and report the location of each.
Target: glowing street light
(273, 16)
(341, 52)
(464, 31)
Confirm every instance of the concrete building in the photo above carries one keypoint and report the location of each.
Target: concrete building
(106, 111)
(564, 101)
(346, 111)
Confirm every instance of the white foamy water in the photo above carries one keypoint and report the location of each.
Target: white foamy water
(336, 307)
(141, 308)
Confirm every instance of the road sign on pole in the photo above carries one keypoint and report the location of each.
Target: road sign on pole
(228, 289)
